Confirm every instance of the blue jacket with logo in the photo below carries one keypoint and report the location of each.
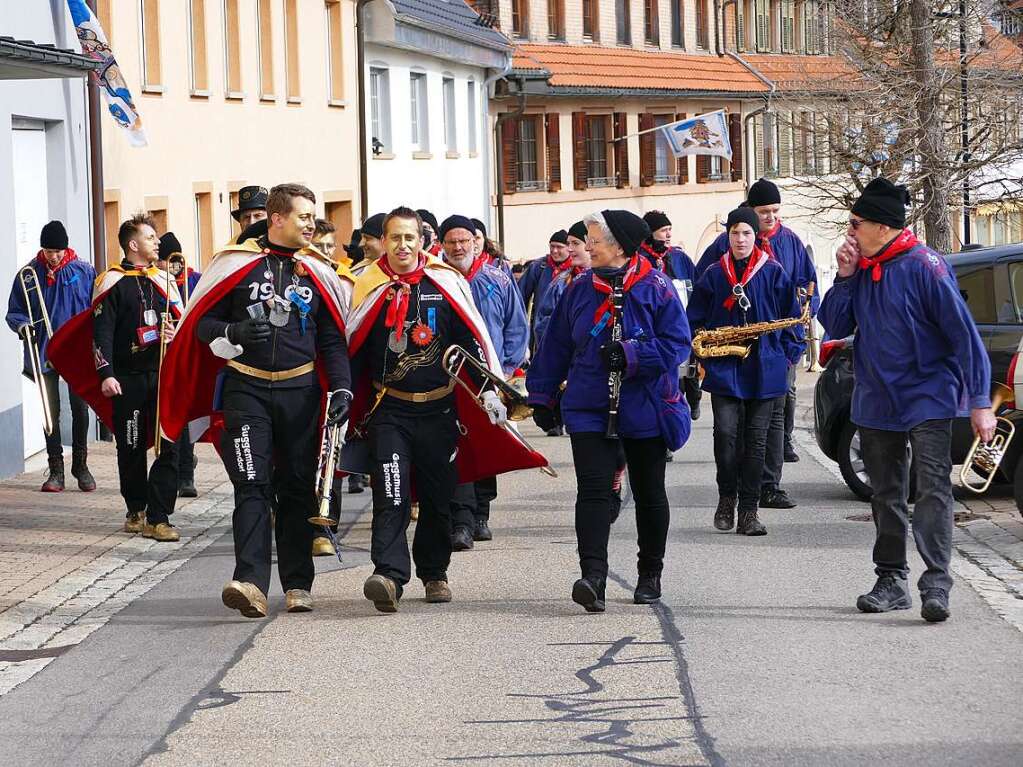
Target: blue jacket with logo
(918, 355)
(499, 302)
(656, 340)
(762, 375)
(545, 307)
(533, 283)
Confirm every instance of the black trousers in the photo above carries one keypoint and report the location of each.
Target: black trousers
(887, 463)
(779, 434)
(271, 432)
(186, 459)
(740, 444)
(79, 418)
(596, 460)
(134, 412)
(471, 503)
(691, 388)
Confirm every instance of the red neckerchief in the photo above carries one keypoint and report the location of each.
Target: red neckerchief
(51, 274)
(896, 247)
(765, 238)
(434, 249)
(638, 269)
(477, 264)
(655, 257)
(397, 310)
(558, 268)
(753, 265)
(185, 274)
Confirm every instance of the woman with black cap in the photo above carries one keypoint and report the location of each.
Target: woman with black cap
(652, 414)
(744, 286)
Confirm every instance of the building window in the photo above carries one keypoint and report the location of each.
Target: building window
(811, 26)
(418, 113)
(232, 51)
(678, 13)
(111, 223)
(766, 138)
(198, 68)
(622, 21)
(264, 20)
(702, 25)
(335, 53)
(470, 105)
(597, 170)
(762, 9)
(380, 110)
(556, 19)
(291, 54)
(788, 26)
(520, 18)
(150, 17)
(651, 22)
(591, 20)
(203, 228)
(527, 154)
(450, 126)
(740, 25)
(665, 166)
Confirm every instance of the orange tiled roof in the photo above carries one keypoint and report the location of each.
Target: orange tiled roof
(592, 66)
(803, 73)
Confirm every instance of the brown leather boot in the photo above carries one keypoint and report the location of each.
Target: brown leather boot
(55, 481)
(80, 471)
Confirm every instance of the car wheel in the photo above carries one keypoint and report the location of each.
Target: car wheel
(850, 462)
(1017, 485)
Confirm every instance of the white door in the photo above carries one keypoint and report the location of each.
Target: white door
(31, 206)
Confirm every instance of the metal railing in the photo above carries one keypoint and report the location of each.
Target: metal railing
(601, 182)
(666, 178)
(537, 185)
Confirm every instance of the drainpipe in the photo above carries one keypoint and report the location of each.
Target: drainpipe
(499, 156)
(99, 249)
(360, 56)
(750, 159)
(485, 149)
(717, 26)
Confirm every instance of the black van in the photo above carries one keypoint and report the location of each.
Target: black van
(991, 283)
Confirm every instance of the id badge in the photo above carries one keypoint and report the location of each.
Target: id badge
(150, 317)
(148, 335)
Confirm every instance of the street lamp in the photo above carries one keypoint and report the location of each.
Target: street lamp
(964, 124)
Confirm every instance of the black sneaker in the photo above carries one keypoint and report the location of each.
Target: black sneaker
(187, 489)
(461, 539)
(589, 594)
(694, 411)
(791, 456)
(749, 524)
(776, 498)
(482, 532)
(889, 593)
(668, 456)
(557, 431)
(935, 605)
(648, 589)
(724, 516)
(355, 483)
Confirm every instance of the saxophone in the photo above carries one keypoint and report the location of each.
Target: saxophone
(738, 340)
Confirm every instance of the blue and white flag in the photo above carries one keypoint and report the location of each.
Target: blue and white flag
(703, 134)
(111, 81)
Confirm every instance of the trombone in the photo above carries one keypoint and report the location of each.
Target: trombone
(330, 453)
(29, 281)
(456, 358)
(982, 461)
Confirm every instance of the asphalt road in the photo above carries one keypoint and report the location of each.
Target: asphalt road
(757, 655)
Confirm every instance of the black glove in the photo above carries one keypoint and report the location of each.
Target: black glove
(614, 356)
(340, 403)
(250, 331)
(544, 418)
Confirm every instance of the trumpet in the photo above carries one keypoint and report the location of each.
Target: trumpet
(455, 359)
(29, 281)
(983, 460)
(330, 453)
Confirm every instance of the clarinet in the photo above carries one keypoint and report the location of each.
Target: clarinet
(614, 378)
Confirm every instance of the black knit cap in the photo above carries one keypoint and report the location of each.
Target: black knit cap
(656, 219)
(479, 226)
(53, 236)
(253, 231)
(578, 230)
(763, 192)
(428, 218)
(456, 222)
(374, 225)
(628, 229)
(743, 216)
(884, 203)
(169, 245)
(560, 236)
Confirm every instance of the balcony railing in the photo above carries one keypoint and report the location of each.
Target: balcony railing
(601, 182)
(537, 185)
(666, 178)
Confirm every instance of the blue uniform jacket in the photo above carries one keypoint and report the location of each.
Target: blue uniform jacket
(918, 355)
(762, 375)
(68, 296)
(545, 306)
(499, 302)
(193, 280)
(677, 263)
(788, 250)
(534, 283)
(656, 339)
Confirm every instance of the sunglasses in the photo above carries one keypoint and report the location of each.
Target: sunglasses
(855, 223)
(741, 298)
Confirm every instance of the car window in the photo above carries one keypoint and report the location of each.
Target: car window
(977, 287)
(1016, 292)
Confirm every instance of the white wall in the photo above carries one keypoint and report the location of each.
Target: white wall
(442, 184)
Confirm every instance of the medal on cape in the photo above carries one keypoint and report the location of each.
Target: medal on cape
(280, 312)
(294, 294)
(421, 334)
(149, 317)
(400, 344)
(268, 274)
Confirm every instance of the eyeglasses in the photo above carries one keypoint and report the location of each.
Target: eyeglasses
(740, 296)
(459, 243)
(855, 223)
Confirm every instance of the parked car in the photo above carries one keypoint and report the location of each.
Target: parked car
(991, 282)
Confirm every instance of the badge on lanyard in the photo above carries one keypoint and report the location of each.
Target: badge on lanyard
(150, 317)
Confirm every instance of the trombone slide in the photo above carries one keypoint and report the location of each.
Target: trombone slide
(29, 281)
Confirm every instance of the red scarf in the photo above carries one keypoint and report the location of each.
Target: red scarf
(397, 310)
(477, 264)
(51, 274)
(905, 241)
(558, 268)
(765, 238)
(653, 255)
(753, 265)
(185, 274)
(638, 269)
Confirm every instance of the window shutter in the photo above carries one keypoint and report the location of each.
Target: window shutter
(683, 161)
(799, 143)
(553, 136)
(784, 145)
(735, 137)
(621, 128)
(647, 158)
(510, 154)
(702, 168)
(579, 149)
(758, 143)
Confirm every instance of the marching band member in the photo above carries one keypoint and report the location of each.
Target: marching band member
(579, 258)
(500, 305)
(251, 206)
(541, 273)
(272, 310)
(325, 240)
(782, 244)
(489, 249)
(579, 346)
(745, 286)
(919, 362)
(65, 287)
(407, 309)
(372, 242)
(431, 239)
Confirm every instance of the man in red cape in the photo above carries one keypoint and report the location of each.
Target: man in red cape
(423, 431)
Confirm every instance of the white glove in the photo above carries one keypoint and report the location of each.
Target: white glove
(496, 410)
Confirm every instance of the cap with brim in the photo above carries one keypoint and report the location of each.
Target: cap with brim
(250, 198)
